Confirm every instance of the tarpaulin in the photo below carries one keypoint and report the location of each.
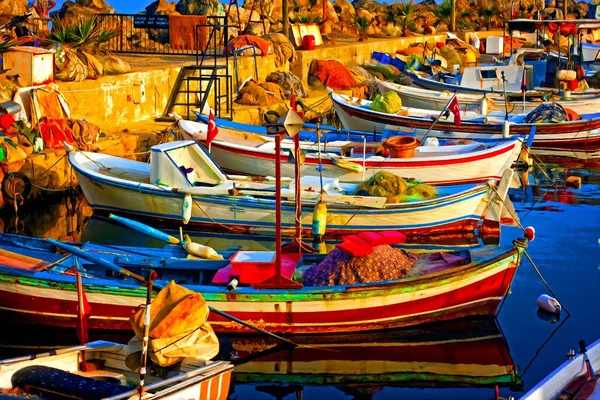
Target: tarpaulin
(182, 32)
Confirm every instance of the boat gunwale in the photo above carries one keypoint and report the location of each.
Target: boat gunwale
(11, 275)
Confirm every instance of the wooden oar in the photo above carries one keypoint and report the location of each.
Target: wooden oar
(107, 264)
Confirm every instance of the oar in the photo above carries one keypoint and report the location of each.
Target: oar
(95, 259)
(113, 267)
(143, 228)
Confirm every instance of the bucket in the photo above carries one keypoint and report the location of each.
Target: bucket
(401, 146)
(308, 42)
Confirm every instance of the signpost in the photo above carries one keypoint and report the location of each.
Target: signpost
(151, 21)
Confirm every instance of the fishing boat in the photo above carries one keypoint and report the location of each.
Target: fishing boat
(416, 97)
(579, 134)
(462, 353)
(183, 184)
(37, 287)
(575, 378)
(60, 374)
(488, 80)
(236, 151)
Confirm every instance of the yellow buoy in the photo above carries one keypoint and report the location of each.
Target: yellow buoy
(349, 165)
(319, 222)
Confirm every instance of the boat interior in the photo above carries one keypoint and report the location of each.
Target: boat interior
(172, 262)
(188, 166)
(106, 374)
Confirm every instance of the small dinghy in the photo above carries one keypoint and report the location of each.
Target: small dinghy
(576, 378)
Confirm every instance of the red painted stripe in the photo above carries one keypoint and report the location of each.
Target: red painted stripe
(474, 127)
(493, 286)
(408, 163)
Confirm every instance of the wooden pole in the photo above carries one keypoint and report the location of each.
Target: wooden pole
(285, 17)
(453, 23)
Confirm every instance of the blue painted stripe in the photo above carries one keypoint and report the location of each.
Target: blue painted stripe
(330, 227)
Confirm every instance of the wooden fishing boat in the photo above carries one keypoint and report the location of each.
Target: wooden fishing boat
(579, 134)
(474, 81)
(237, 151)
(575, 378)
(462, 353)
(182, 177)
(487, 80)
(38, 289)
(435, 100)
(59, 373)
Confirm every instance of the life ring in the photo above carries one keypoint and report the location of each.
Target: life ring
(10, 188)
(271, 117)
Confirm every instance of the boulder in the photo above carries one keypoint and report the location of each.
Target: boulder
(200, 7)
(345, 10)
(82, 8)
(368, 5)
(13, 7)
(161, 7)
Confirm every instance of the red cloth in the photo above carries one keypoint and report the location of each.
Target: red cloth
(573, 84)
(55, 131)
(249, 40)
(333, 74)
(571, 115)
(182, 32)
(6, 121)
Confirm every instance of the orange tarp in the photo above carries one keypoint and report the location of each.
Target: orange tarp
(182, 32)
(249, 40)
(333, 74)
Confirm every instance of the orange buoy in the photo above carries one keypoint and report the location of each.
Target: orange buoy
(573, 182)
(401, 146)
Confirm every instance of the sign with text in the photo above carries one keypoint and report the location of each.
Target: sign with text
(151, 21)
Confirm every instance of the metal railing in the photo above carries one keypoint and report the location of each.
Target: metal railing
(148, 34)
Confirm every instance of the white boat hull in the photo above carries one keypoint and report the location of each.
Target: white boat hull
(458, 212)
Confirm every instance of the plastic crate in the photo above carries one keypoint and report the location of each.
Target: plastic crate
(382, 58)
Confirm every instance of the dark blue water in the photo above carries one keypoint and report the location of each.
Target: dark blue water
(566, 252)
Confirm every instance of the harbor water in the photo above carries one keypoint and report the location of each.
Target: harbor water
(460, 360)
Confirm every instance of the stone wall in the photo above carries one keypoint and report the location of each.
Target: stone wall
(115, 101)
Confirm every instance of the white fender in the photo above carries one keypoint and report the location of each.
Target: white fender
(549, 304)
(186, 209)
(506, 129)
(199, 250)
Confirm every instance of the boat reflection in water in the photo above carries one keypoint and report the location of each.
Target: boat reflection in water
(469, 353)
(559, 178)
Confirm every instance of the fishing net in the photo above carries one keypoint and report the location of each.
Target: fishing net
(178, 329)
(282, 48)
(264, 94)
(340, 268)
(546, 112)
(330, 73)
(395, 188)
(389, 102)
(287, 81)
(114, 66)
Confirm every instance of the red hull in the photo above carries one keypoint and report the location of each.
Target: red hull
(479, 298)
